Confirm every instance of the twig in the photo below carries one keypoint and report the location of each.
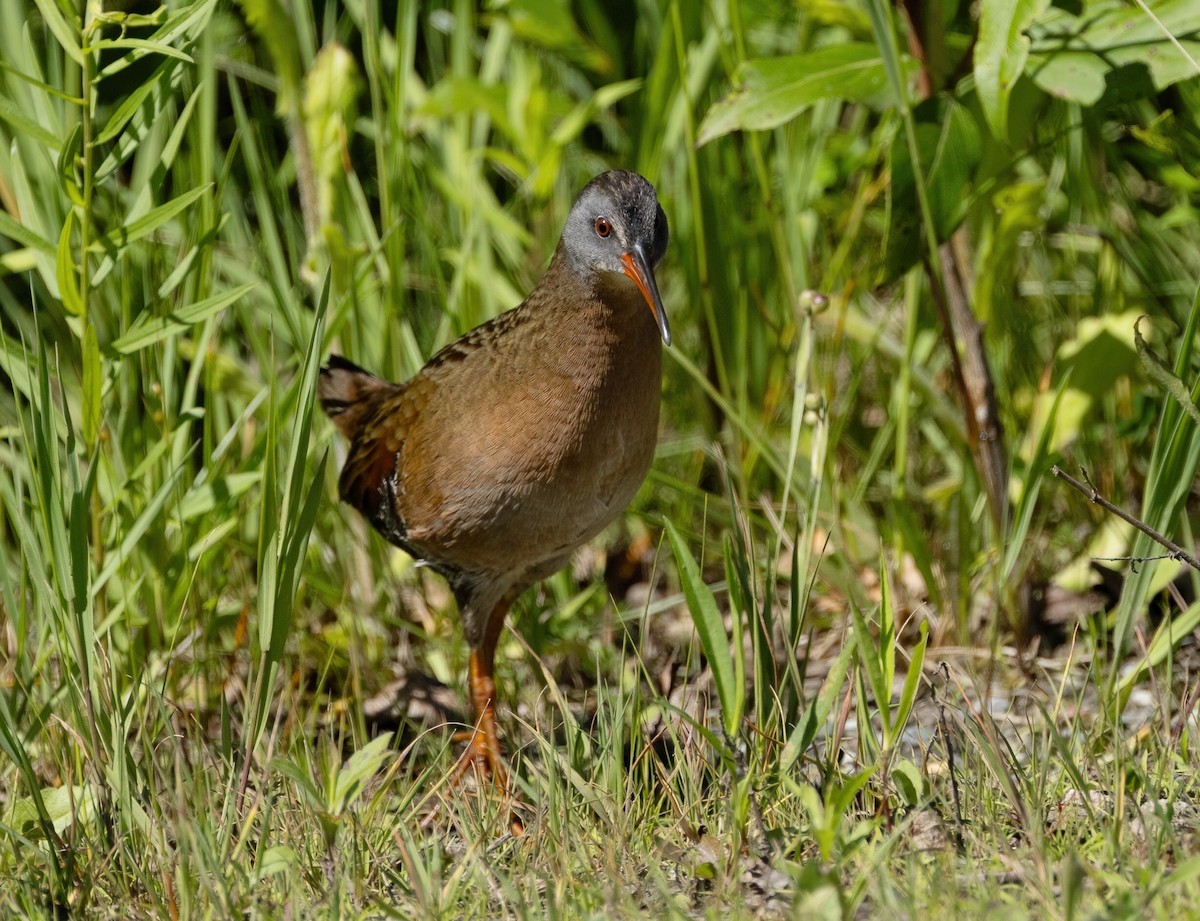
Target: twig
(1177, 552)
(959, 838)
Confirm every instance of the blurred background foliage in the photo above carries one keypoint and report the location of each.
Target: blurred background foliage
(198, 201)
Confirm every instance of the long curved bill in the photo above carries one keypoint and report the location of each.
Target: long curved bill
(637, 267)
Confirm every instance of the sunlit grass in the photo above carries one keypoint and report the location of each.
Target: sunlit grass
(808, 698)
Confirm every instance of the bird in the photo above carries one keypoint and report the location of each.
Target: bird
(519, 442)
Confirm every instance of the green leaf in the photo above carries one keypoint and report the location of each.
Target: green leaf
(710, 627)
(1163, 376)
(141, 44)
(133, 102)
(278, 858)
(912, 681)
(65, 274)
(26, 127)
(66, 33)
(1091, 363)
(150, 221)
(550, 24)
(770, 91)
(18, 232)
(818, 711)
(277, 30)
(67, 165)
(909, 782)
(300, 777)
(1170, 636)
(217, 493)
(949, 148)
(361, 767)
(1111, 48)
(63, 805)
(148, 330)
(1000, 54)
(1174, 460)
(93, 383)
(138, 114)
(871, 655)
(131, 539)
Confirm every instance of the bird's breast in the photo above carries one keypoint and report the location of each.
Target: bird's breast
(540, 451)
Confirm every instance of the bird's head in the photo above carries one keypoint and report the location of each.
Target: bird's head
(617, 228)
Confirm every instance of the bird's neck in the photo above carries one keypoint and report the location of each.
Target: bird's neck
(583, 302)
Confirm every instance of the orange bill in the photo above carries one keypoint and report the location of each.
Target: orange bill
(637, 267)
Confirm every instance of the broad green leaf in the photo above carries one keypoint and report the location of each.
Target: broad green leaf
(1111, 48)
(550, 24)
(63, 805)
(909, 782)
(1000, 54)
(949, 149)
(358, 769)
(710, 627)
(770, 91)
(1095, 358)
(148, 330)
(278, 858)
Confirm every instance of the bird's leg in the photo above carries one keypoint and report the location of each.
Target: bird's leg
(483, 749)
(483, 742)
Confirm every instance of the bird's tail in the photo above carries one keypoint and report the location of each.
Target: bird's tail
(347, 392)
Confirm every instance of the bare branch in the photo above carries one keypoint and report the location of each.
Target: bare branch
(1177, 552)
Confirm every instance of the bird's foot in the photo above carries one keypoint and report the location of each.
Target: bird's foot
(479, 761)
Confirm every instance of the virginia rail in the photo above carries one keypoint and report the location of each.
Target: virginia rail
(520, 441)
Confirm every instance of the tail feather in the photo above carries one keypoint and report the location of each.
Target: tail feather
(358, 403)
(347, 392)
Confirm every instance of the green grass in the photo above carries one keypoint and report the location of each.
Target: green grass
(823, 691)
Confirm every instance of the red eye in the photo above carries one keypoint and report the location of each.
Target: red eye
(603, 227)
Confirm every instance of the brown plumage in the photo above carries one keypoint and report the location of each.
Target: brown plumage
(520, 441)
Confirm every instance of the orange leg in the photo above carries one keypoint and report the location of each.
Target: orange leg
(482, 754)
(483, 749)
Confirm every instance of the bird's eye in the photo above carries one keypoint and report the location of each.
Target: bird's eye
(603, 227)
